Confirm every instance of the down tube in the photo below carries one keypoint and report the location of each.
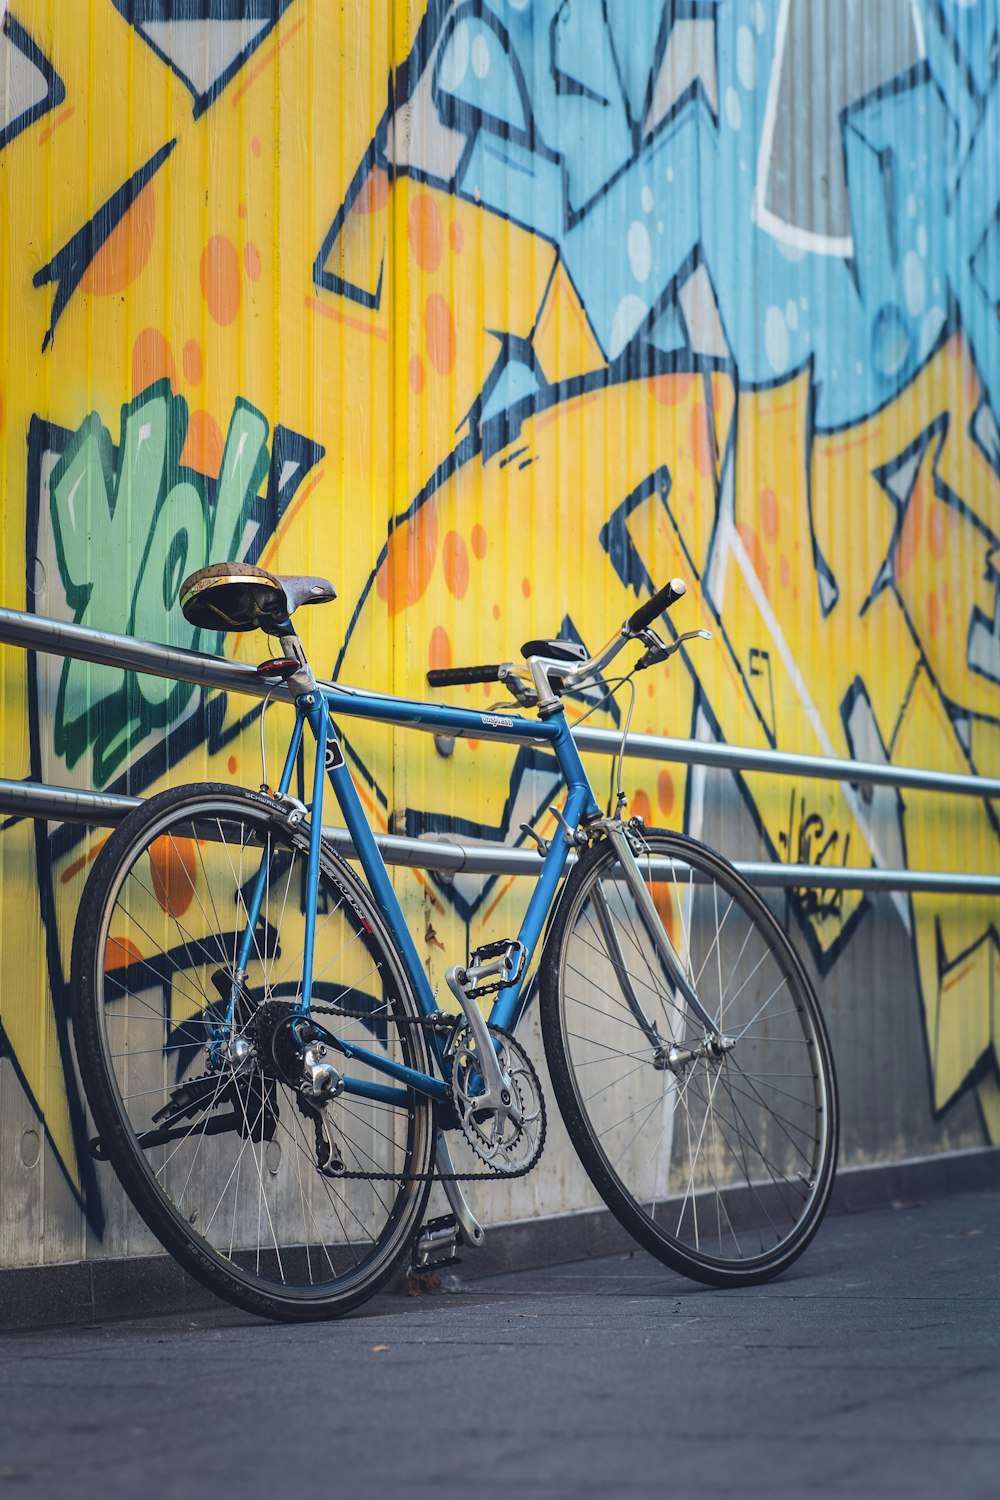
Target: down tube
(580, 802)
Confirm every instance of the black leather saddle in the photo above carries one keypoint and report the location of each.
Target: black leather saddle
(241, 596)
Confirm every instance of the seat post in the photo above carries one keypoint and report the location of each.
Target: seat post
(303, 680)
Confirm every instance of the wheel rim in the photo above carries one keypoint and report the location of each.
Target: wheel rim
(721, 1153)
(251, 1200)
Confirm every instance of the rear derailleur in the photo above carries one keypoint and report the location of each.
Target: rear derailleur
(300, 1056)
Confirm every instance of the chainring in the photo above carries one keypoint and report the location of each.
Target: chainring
(509, 1147)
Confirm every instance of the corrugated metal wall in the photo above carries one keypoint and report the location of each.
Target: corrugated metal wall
(498, 313)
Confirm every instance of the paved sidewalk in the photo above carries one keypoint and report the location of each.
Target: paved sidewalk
(872, 1369)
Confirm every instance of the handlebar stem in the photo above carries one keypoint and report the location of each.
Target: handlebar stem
(573, 676)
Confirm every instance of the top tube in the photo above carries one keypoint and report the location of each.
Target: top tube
(435, 718)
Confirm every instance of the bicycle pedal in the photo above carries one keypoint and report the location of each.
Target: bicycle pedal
(494, 966)
(437, 1245)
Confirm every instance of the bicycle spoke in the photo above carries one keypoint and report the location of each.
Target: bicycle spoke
(235, 1178)
(706, 1147)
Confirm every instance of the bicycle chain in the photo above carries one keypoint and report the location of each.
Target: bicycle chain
(492, 1174)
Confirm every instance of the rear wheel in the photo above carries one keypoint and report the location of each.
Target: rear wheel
(715, 1149)
(282, 1208)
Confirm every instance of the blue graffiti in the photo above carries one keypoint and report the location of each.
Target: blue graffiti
(829, 173)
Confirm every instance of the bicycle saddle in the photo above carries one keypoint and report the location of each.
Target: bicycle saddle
(241, 596)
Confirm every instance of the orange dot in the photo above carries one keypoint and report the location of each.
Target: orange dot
(701, 440)
(473, 744)
(255, 146)
(933, 614)
(456, 237)
(937, 533)
(173, 863)
(417, 376)
(126, 249)
(119, 952)
(751, 542)
(374, 193)
(204, 445)
(526, 587)
(219, 273)
(665, 793)
(661, 893)
(439, 653)
(909, 532)
(424, 230)
(784, 571)
(641, 807)
(496, 611)
(251, 261)
(970, 381)
(768, 506)
(192, 362)
(439, 330)
(409, 562)
(455, 560)
(477, 537)
(151, 360)
(669, 389)
(232, 763)
(242, 211)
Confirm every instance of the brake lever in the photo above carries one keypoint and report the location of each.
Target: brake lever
(658, 651)
(516, 686)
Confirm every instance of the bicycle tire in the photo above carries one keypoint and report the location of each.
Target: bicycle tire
(719, 1166)
(244, 1206)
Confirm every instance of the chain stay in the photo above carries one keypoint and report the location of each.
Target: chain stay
(429, 1023)
(491, 1174)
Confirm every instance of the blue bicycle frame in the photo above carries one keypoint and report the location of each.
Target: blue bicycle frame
(318, 709)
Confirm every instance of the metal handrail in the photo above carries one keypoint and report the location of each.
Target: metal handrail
(65, 804)
(61, 638)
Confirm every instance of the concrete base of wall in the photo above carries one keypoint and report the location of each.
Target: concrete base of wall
(94, 1290)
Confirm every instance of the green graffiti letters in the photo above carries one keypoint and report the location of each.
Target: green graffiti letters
(128, 528)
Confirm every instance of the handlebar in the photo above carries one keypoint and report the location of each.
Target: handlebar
(571, 675)
(661, 601)
(460, 676)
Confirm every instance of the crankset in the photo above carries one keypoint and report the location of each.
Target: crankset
(507, 1129)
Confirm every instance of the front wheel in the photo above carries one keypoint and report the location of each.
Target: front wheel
(715, 1146)
(193, 1065)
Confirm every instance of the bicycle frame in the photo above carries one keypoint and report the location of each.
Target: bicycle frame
(317, 709)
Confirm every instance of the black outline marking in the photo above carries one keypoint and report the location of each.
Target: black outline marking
(138, 13)
(56, 91)
(69, 265)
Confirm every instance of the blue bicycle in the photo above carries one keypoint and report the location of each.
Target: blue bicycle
(276, 1085)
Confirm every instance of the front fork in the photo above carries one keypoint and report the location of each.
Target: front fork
(714, 1044)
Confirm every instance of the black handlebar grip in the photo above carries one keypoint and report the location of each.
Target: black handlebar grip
(647, 613)
(459, 676)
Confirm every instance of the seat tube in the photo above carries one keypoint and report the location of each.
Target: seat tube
(319, 721)
(253, 906)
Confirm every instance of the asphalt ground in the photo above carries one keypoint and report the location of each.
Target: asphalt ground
(872, 1368)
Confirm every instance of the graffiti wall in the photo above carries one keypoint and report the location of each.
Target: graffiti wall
(499, 313)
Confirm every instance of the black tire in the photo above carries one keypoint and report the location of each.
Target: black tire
(720, 1165)
(245, 1207)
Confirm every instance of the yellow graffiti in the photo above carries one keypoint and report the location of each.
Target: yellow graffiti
(839, 572)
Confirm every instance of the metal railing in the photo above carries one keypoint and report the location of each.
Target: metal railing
(445, 854)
